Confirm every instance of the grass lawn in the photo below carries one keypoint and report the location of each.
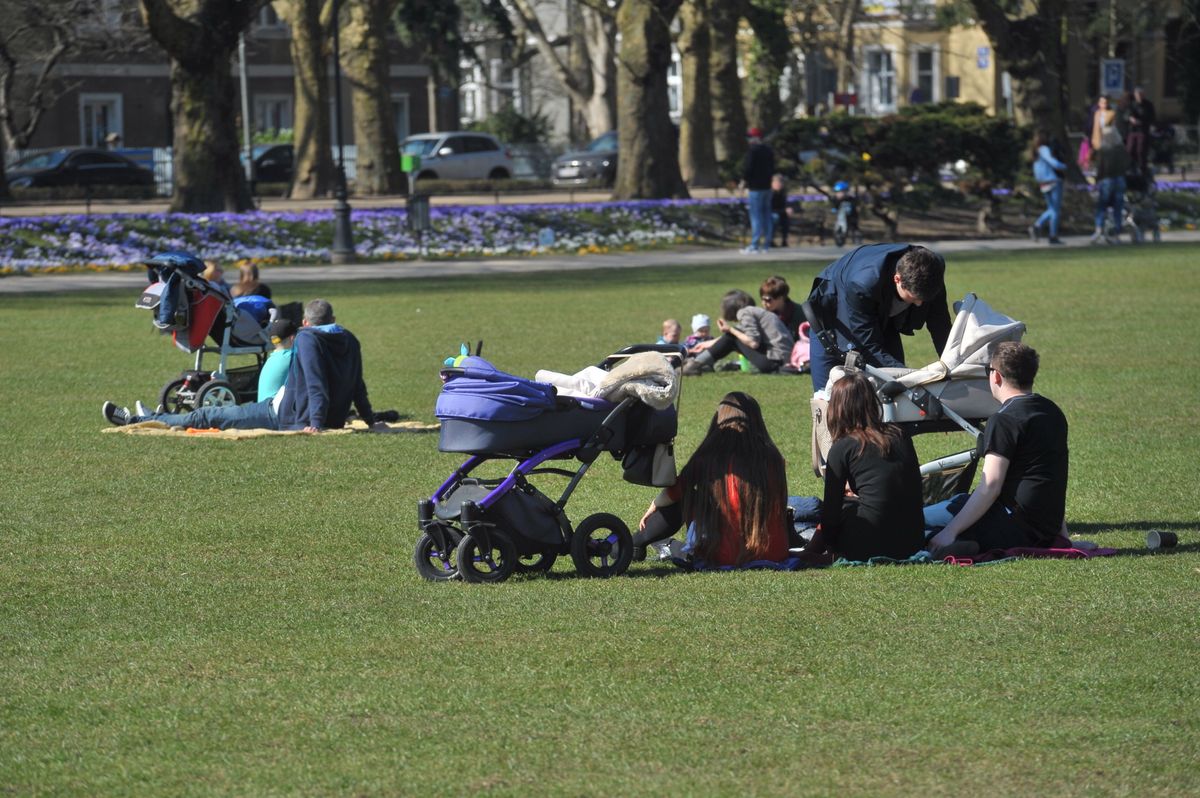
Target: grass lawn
(207, 617)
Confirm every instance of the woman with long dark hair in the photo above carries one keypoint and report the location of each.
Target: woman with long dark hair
(876, 464)
(733, 489)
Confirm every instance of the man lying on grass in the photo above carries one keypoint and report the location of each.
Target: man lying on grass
(324, 378)
(1021, 497)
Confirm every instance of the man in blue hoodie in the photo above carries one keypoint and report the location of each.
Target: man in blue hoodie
(324, 379)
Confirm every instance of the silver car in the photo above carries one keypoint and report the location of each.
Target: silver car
(459, 155)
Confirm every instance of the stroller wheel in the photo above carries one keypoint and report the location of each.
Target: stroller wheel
(602, 546)
(536, 563)
(170, 398)
(216, 393)
(486, 556)
(434, 564)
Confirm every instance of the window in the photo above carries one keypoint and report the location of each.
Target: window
(881, 81)
(675, 87)
(481, 144)
(952, 87)
(400, 115)
(99, 116)
(267, 18)
(272, 113)
(925, 76)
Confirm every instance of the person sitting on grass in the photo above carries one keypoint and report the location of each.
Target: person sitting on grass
(670, 332)
(248, 283)
(774, 293)
(274, 372)
(324, 378)
(872, 502)
(701, 331)
(732, 493)
(760, 336)
(1021, 498)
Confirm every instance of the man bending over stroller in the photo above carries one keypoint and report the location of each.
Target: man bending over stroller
(325, 377)
(1022, 495)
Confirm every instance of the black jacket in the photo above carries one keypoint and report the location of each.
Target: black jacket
(759, 167)
(853, 296)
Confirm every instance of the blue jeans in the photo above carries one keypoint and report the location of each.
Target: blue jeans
(1111, 193)
(760, 220)
(256, 415)
(1054, 199)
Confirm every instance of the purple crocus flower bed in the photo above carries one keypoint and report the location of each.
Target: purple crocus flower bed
(54, 243)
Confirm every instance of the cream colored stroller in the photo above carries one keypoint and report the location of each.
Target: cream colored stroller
(948, 395)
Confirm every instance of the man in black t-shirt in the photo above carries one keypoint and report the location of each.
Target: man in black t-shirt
(1022, 493)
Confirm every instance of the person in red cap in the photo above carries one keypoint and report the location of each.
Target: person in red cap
(756, 177)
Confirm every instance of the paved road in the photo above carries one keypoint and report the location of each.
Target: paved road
(89, 281)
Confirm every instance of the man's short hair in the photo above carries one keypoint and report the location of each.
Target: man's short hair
(733, 301)
(318, 312)
(775, 287)
(1016, 362)
(922, 273)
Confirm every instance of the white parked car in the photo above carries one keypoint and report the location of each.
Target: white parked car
(459, 155)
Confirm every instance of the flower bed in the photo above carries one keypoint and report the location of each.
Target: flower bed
(123, 241)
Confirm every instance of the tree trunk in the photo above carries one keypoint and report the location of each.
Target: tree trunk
(365, 55)
(770, 53)
(4, 192)
(728, 113)
(312, 175)
(599, 40)
(844, 61)
(208, 172)
(697, 154)
(649, 163)
(1033, 50)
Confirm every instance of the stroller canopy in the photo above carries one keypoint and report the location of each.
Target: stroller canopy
(976, 328)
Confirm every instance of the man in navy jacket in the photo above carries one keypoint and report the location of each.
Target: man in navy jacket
(324, 379)
(870, 296)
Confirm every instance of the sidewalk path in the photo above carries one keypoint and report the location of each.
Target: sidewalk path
(91, 281)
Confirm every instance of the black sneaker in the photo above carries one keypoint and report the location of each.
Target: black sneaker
(119, 416)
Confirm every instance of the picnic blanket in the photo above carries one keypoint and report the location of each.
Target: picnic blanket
(159, 428)
(1062, 549)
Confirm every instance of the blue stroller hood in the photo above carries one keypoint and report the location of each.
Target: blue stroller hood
(477, 390)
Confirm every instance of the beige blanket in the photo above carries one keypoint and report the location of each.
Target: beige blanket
(159, 428)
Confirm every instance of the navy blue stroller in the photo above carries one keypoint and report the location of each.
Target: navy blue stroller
(484, 530)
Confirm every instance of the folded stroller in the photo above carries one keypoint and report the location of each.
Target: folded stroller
(481, 529)
(949, 395)
(193, 310)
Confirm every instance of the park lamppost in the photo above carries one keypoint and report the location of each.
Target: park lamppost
(342, 250)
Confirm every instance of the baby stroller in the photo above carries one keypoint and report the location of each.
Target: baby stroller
(482, 529)
(192, 310)
(1141, 210)
(946, 396)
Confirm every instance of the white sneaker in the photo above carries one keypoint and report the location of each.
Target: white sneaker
(748, 251)
(140, 410)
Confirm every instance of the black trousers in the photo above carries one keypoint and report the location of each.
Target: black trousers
(662, 524)
(729, 342)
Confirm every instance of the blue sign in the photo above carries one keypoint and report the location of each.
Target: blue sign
(983, 56)
(1112, 75)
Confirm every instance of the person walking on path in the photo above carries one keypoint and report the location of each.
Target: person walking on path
(1048, 171)
(757, 172)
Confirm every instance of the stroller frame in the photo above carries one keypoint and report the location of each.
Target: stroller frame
(464, 524)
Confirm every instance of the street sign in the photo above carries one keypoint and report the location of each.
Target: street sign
(1112, 75)
(983, 57)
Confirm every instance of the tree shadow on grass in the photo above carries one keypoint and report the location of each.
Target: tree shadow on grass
(1131, 526)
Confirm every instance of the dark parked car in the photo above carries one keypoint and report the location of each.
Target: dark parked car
(273, 163)
(595, 164)
(77, 168)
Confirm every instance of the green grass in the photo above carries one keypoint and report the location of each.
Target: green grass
(187, 617)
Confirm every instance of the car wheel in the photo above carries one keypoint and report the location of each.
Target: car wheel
(427, 175)
(498, 174)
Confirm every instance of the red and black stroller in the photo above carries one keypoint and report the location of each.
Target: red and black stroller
(194, 311)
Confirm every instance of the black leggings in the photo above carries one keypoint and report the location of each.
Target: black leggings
(661, 524)
(728, 342)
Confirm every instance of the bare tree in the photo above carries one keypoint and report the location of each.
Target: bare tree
(365, 52)
(649, 164)
(697, 152)
(588, 74)
(200, 37)
(310, 22)
(35, 37)
(769, 55)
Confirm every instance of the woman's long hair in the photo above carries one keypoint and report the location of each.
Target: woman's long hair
(854, 411)
(737, 444)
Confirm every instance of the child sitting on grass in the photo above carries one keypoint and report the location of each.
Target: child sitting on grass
(670, 332)
(701, 326)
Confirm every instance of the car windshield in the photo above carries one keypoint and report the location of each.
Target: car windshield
(418, 146)
(43, 160)
(606, 142)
